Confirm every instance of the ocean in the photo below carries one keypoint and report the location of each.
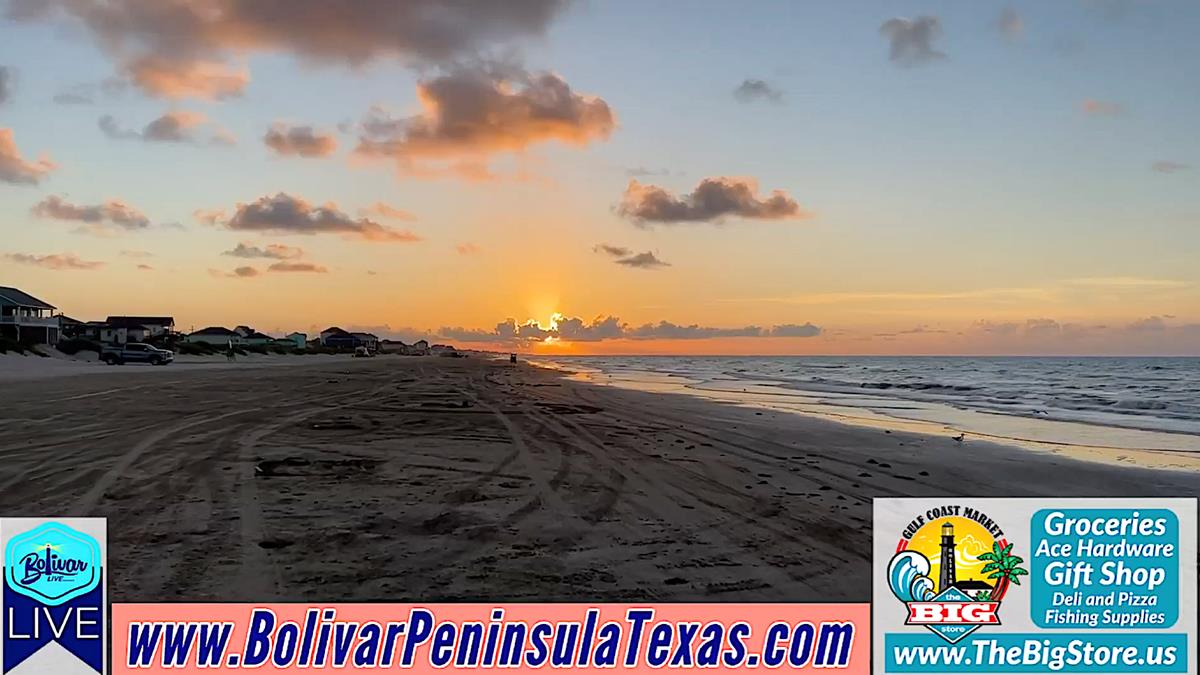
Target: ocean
(1108, 402)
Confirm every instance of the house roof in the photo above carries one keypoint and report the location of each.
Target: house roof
(132, 321)
(365, 335)
(334, 329)
(257, 335)
(214, 330)
(22, 299)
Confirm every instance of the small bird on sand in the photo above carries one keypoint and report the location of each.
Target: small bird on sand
(959, 437)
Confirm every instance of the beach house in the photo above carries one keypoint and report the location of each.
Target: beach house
(337, 338)
(393, 346)
(299, 340)
(216, 335)
(253, 338)
(153, 326)
(119, 335)
(71, 328)
(125, 329)
(368, 340)
(24, 318)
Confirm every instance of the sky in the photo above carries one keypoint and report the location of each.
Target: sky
(576, 177)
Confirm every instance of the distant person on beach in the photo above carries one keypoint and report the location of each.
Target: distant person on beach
(512, 358)
(230, 354)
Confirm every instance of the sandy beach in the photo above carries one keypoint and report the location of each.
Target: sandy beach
(466, 479)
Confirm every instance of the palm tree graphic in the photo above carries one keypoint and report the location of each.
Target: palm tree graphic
(1003, 566)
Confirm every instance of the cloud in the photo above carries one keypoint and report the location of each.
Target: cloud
(134, 253)
(176, 126)
(711, 201)
(244, 272)
(912, 39)
(645, 260)
(916, 330)
(1042, 328)
(615, 251)
(178, 79)
(1168, 166)
(388, 211)
(466, 248)
(286, 214)
(86, 93)
(145, 268)
(1010, 24)
(54, 261)
(210, 217)
(1152, 324)
(98, 219)
(1097, 108)
(460, 334)
(1156, 334)
(626, 257)
(471, 114)
(189, 43)
(643, 172)
(574, 329)
(600, 328)
(16, 170)
(301, 141)
(672, 331)
(999, 328)
(7, 75)
(297, 267)
(802, 330)
(271, 251)
(751, 91)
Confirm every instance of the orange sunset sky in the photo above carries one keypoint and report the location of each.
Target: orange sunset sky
(613, 177)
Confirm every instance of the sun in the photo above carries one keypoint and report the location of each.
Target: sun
(555, 317)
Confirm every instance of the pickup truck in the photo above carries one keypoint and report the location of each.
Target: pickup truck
(136, 352)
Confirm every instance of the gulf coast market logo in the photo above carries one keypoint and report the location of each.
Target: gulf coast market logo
(973, 562)
(53, 592)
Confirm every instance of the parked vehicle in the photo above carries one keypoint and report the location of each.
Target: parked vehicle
(363, 351)
(136, 352)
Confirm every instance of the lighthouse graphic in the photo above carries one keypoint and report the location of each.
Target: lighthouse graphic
(947, 579)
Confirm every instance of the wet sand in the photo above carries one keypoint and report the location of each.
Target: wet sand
(466, 479)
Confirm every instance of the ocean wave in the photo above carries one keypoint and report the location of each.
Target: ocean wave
(1136, 393)
(918, 386)
(1138, 404)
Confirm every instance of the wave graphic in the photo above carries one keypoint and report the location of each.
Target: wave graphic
(908, 577)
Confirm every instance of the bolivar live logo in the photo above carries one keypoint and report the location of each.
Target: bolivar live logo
(54, 607)
(974, 564)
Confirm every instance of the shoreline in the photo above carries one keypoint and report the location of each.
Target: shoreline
(824, 405)
(437, 479)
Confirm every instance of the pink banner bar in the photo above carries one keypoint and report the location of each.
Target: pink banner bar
(202, 638)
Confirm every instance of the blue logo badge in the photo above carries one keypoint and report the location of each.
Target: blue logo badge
(53, 564)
